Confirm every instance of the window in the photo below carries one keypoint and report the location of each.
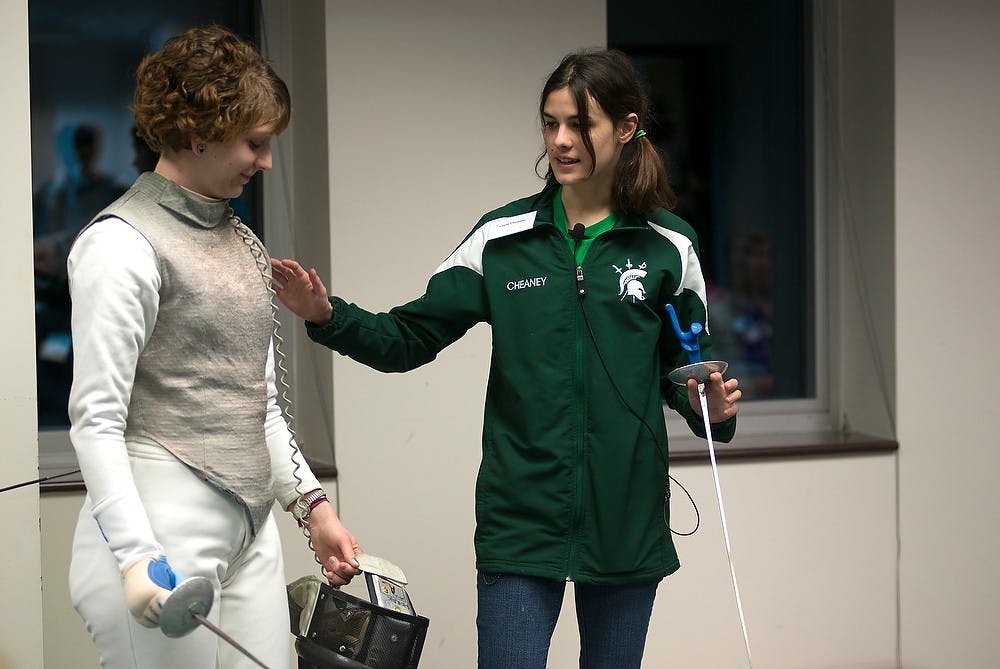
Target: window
(731, 85)
(84, 154)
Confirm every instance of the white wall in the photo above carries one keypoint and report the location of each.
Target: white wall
(859, 147)
(68, 644)
(947, 243)
(20, 571)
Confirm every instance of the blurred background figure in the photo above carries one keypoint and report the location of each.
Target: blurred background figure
(742, 314)
(61, 207)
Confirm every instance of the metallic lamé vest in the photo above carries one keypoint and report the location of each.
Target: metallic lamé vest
(199, 387)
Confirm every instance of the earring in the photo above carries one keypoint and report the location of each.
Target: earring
(201, 148)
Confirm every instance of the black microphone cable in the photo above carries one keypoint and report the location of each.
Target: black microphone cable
(578, 233)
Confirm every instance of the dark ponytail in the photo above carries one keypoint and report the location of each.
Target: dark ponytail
(641, 183)
(608, 76)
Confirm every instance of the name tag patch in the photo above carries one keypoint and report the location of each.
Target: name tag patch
(531, 282)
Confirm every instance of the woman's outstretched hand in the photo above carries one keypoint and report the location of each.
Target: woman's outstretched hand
(302, 292)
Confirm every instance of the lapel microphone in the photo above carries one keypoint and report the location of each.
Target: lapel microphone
(577, 233)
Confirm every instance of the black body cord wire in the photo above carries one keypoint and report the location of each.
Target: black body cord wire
(40, 480)
(660, 448)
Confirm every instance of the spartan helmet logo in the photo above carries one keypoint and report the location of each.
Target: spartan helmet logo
(630, 281)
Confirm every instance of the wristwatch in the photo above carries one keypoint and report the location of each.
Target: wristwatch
(305, 504)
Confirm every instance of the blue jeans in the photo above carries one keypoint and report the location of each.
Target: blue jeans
(517, 615)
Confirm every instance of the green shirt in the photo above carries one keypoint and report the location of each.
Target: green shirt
(579, 248)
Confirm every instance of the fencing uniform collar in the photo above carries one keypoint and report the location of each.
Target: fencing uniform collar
(191, 207)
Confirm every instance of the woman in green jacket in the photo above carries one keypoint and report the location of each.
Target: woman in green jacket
(573, 281)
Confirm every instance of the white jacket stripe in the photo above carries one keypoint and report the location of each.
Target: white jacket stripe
(470, 252)
(691, 278)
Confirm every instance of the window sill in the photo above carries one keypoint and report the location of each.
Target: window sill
(781, 446)
(762, 446)
(75, 483)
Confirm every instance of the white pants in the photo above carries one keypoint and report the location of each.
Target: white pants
(205, 533)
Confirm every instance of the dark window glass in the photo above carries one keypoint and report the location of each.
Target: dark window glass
(729, 89)
(84, 153)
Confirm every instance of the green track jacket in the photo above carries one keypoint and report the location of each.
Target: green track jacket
(573, 477)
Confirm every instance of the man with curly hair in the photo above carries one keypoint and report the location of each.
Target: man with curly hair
(175, 422)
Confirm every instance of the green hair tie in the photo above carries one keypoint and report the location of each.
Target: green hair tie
(641, 133)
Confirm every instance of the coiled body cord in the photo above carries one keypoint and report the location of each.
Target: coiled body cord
(281, 371)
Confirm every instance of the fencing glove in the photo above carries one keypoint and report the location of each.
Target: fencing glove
(148, 583)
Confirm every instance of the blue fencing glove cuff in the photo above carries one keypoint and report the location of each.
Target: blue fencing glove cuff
(148, 583)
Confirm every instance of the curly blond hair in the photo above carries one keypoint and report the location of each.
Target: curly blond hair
(208, 84)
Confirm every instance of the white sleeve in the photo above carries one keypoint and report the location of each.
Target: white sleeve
(114, 284)
(285, 454)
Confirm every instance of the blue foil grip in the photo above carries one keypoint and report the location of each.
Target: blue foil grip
(688, 340)
(696, 368)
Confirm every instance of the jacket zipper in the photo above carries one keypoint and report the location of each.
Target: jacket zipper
(580, 422)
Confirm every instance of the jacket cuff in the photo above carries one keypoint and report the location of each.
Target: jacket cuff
(319, 332)
(721, 432)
